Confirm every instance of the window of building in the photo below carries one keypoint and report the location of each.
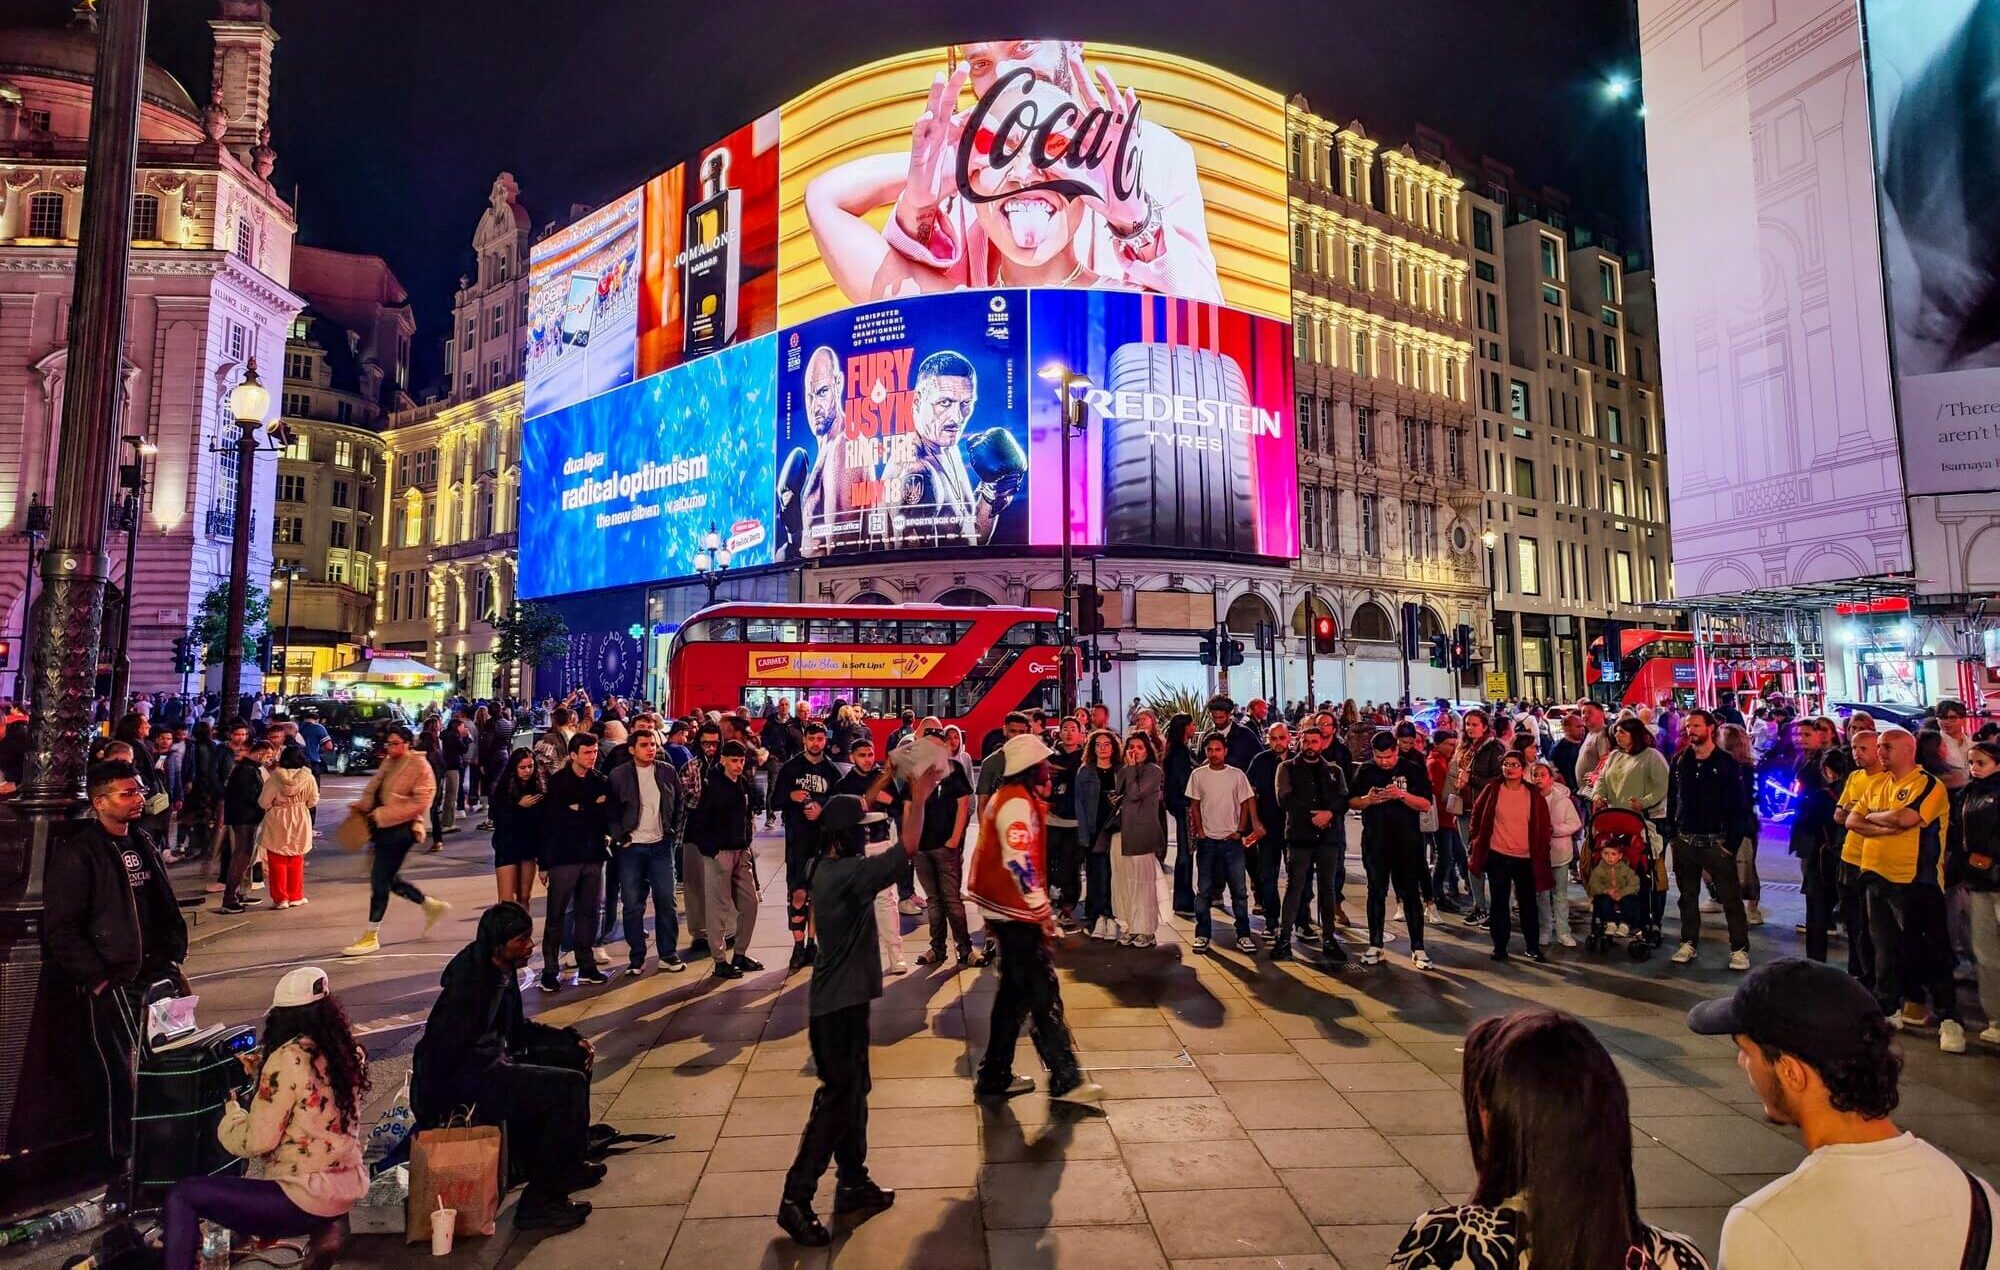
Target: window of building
(1352, 180)
(1614, 424)
(298, 405)
(246, 241)
(343, 411)
(468, 384)
(1517, 399)
(1454, 452)
(482, 595)
(1652, 577)
(291, 489)
(395, 597)
(1326, 424)
(1357, 266)
(45, 215)
(146, 218)
(1409, 442)
(336, 571)
(1528, 566)
(1607, 282)
(1309, 516)
(338, 534)
(1618, 497)
(1412, 531)
(1364, 432)
(343, 453)
(1298, 154)
(413, 524)
(298, 365)
(1430, 537)
(494, 374)
(342, 494)
(1482, 229)
(1638, 363)
(1609, 316)
(1306, 423)
(1646, 502)
(1360, 364)
(298, 449)
(289, 529)
(1524, 478)
(497, 322)
(1371, 540)
(471, 333)
(1621, 579)
(361, 536)
(1611, 355)
(1299, 247)
(1551, 258)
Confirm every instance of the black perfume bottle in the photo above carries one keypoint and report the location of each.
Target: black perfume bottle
(711, 266)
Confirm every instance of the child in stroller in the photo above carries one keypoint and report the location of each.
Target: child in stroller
(1618, 881)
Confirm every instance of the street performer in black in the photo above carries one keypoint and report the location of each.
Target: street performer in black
(847, 974)
(111, 929)
(800, 788)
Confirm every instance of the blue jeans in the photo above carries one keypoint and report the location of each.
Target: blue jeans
(1223, 856)
(644, 867)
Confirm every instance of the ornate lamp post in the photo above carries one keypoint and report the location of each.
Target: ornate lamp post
(249, 402)
(286, 576)
(711, 562)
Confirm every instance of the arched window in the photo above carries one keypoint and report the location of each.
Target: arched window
(482, 596)
(1246, 610)
(1429, 624)
(1371, 622)
(45, 215)
(966, 597)
(1320, 608)
(871, 597)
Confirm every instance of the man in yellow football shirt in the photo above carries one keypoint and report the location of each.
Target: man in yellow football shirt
(1853, 896)
(1900, 819)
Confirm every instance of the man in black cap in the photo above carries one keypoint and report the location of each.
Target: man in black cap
(1819, 1052)
(843, 880)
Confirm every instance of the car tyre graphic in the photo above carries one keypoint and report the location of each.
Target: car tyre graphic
(1169, 484)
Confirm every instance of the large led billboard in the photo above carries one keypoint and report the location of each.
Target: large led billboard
(903, 425)
(1039, 163)
(622, 488)
(1189, 441)
(711, 249)
(583, 307)
(1933, 70)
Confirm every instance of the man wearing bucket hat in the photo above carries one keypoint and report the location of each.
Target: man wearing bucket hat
(1816, 1048)
(842, 881)
(301, 1126)
(1009, 882)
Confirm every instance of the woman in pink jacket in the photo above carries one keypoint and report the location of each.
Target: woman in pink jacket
(286, 835)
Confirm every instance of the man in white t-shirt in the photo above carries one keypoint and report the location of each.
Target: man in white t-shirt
(1219, 802)
(1818, 1050)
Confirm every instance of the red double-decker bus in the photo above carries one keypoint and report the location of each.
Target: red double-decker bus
(1658, 666)
(966, 666)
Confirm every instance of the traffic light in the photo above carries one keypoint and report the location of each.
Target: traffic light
(6, 652)
(1440, 652)
(1267, 637)
(1461, 648)
(1208, 649)
(1099, 660)
(1323, 635)
(1232, 652)
(1411, 637)
(264, 652)
(186, 649)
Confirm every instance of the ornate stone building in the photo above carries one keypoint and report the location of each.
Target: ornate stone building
(209, 291)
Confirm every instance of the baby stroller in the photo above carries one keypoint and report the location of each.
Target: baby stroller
(1625, 829)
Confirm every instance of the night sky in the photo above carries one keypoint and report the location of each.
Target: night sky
(392, 116)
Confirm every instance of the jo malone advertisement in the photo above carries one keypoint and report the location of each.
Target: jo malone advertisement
(711, 249)
(1033, 163)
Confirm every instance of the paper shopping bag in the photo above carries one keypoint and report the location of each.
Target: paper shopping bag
(457, 1169)
(353, 832)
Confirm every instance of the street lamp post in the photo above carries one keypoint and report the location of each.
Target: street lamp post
(249, 401)
(1492, 540)
(286, 576)
(132, 477)
(1066, 385)
(711, 562)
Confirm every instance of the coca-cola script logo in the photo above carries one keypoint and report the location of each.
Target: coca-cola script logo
(1069, 136)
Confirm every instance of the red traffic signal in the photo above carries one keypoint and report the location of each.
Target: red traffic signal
(1323, 634)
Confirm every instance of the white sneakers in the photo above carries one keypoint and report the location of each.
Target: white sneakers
(1104, 928)
(1422, 960)
(434, 911)
(369, 942)
(1371, 956)
(1739, 959)
(1991, 1035)
(1951, 1036)
(1564, 938)
(1431, 913)
(1683, 955)
(1753, 914)
(900, 968)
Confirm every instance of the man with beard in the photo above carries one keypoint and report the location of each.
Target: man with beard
(826, 481)
(931, 498)
(801, 787)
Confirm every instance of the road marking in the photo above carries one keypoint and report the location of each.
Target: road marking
(311, 961)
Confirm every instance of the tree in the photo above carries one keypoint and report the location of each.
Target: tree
(211, 625)
(532, 633)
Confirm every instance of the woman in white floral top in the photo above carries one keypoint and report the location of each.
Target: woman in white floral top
(1552, 1141)
(299, 1129)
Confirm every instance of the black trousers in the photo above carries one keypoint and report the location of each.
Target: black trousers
(1913, 957)
(1694, 853)
(115, 1015)
(1315, 863)
(1820, 873)
(543, 1100)
(392, 847)
(1854, 920)
(1263, 868)
(837, 1129)
(1028, 990)
(577, 885)
(1515, 873)
(1065, 867)
(1389, 861)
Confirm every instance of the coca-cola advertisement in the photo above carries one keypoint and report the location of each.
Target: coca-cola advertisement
(1033, 163)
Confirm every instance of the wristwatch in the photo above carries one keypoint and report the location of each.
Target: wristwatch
(1146, 235)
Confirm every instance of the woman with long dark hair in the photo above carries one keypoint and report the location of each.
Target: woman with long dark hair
(516, 806)
(1141, 843)
(1096, 821)
(302, 1126)
(1177, 762)
(1550, 1128)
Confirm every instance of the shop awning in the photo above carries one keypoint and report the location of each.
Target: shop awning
(397, 672)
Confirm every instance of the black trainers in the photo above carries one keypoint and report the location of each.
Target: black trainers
(672, 965)
(1281, 950)
(1333, 954)
(747, 963)
(723, 970)
(232, 909)
(545, 1210)
(634, 970)
(812, 951)
(802, 1224)
(584, 1176)
(697, 950)
(799, 959)
(593, 976)
(988, 1091)
(549, 985)
(862, 1197)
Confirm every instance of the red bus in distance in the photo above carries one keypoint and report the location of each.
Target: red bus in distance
(967, 666)
(1658, 666)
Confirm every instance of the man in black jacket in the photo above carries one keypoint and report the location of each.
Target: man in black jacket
(111, 929)
(578, 820)
(242, 813)
(1241, 741)
(1269, 840)
(480, 1053)
(1312, 796)
(720, 827)
(801, 787)
(782, 737)
(1708, 807)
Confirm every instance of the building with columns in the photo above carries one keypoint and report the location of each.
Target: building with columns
(483, 353)
(346, 369)
(1389, 512)
(209, 292)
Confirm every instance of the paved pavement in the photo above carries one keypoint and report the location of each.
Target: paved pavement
(1256, 1114)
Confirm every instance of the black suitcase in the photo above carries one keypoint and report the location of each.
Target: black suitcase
(181, 1092)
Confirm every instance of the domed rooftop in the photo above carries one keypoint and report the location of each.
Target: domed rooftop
(70, 52)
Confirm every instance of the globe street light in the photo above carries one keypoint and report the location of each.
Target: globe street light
(711, 562)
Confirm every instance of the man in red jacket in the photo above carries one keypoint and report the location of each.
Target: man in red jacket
(1009, 883)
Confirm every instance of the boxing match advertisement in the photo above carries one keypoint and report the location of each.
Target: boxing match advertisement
(623, 487)
(902, 425)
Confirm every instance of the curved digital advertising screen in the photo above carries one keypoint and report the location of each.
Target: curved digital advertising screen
(926, 235)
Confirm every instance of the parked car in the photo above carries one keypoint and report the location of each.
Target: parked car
(1908, 717)
(356, 729)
